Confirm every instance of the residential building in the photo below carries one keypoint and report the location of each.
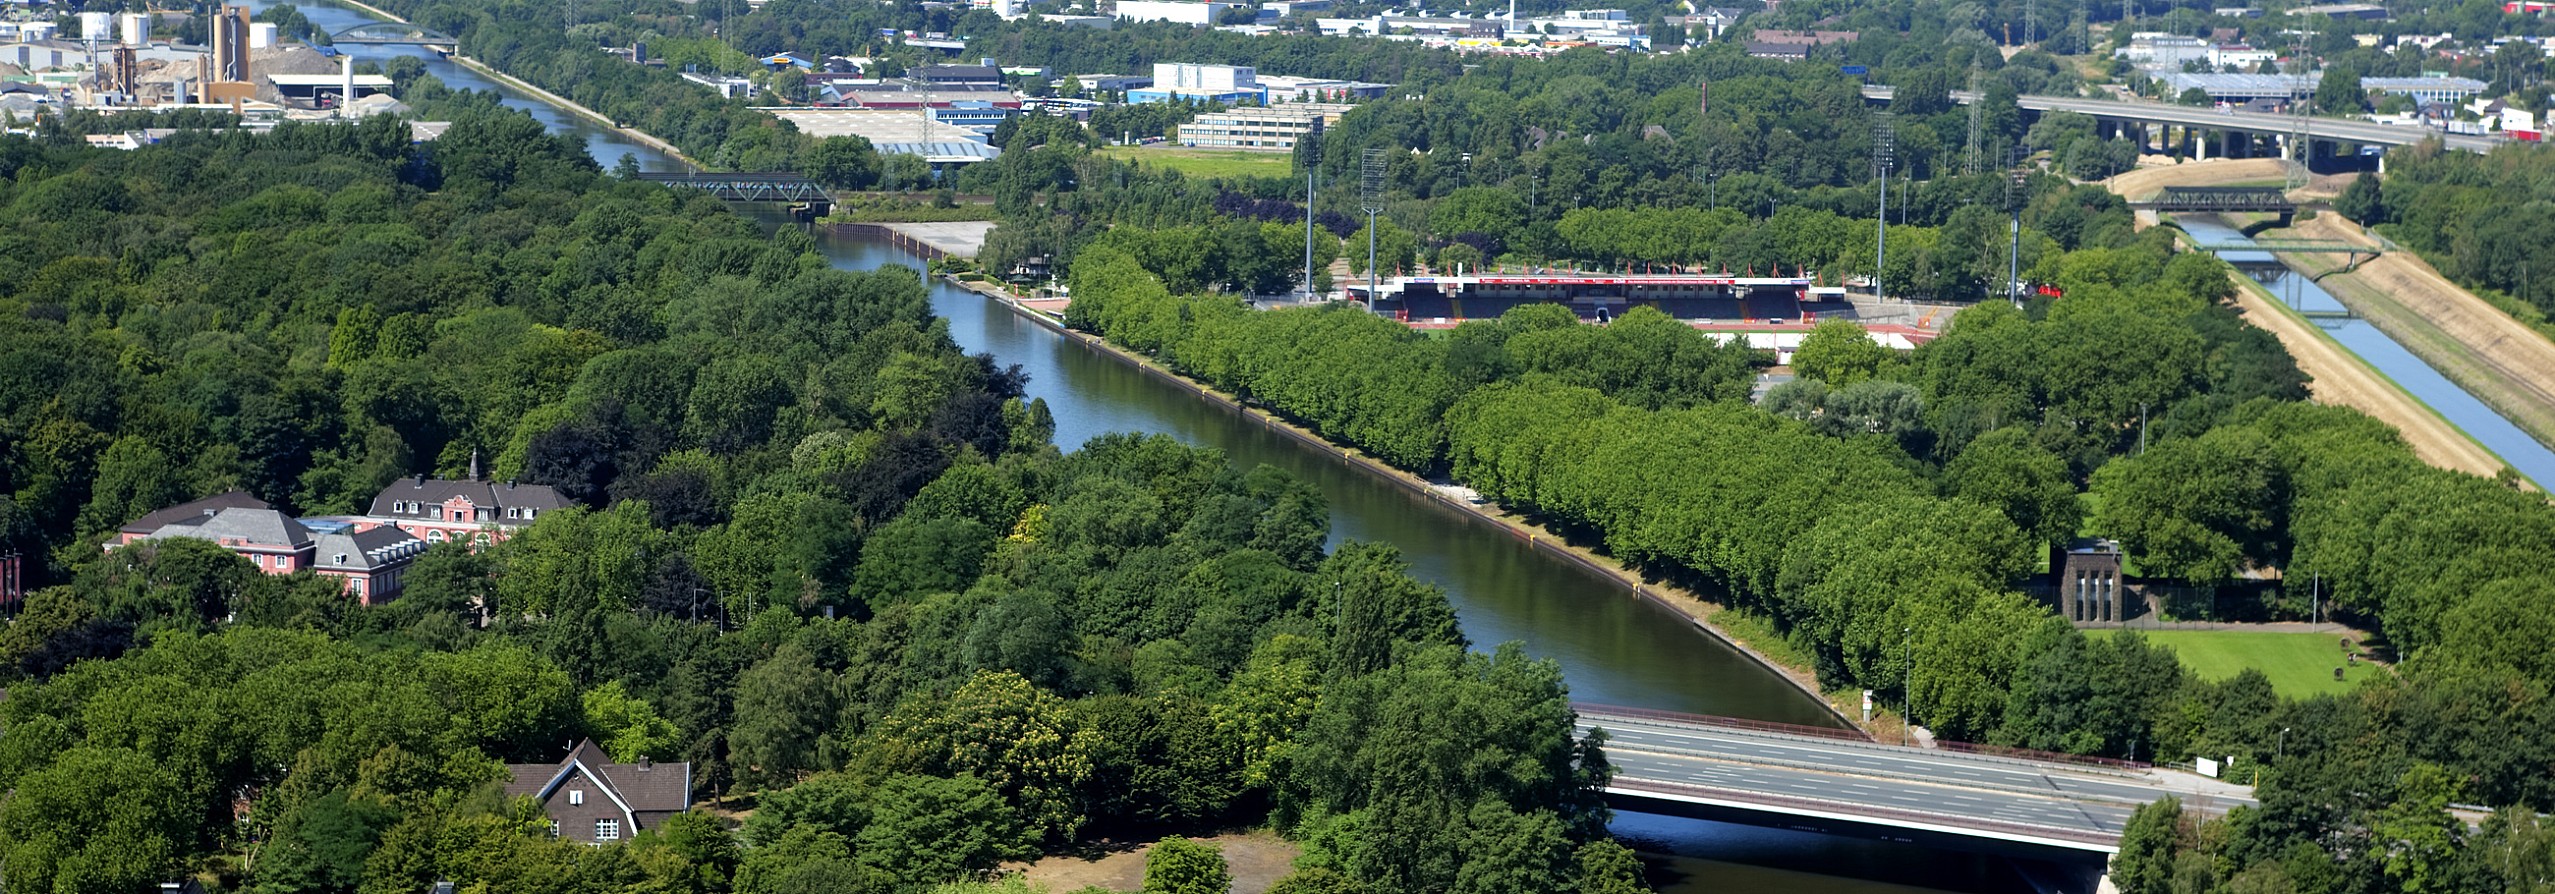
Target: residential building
(1185, 12)
(2428, 89)
(590, 799)
(441, 509)
(1273, 127)
(369, 558)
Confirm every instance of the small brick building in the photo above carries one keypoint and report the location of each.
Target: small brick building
(592, 800)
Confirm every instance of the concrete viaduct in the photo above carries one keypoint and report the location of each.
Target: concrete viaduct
(2189, 130)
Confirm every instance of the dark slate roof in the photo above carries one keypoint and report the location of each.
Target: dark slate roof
(647, 788)
(367, 550)
(486, 494)
(238, 499)
(264, 527)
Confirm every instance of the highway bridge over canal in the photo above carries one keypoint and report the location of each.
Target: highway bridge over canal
(2112, 113)
(2045, 807)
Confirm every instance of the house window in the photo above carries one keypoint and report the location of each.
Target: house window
(513, 512)
(435, 512)
(359, 587)
(576, 797)
(607, 830)
(554, 828)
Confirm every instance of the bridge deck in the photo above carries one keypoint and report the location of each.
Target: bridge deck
(2012, 798)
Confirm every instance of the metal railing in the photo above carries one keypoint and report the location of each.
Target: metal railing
(2032, 830)
(1586, 710)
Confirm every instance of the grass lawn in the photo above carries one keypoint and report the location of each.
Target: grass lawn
(2299, 664)
(1208, 162)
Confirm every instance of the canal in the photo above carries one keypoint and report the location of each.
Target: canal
(1612, 647)
(2470, 414)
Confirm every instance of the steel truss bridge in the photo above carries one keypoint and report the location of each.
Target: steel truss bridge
(749, 187)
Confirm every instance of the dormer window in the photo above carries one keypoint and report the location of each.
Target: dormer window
(435, 512)
(513, 512)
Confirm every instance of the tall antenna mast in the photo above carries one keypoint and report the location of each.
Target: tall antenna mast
(1975, 120)
(2298, 139)
(1884, 156)
(1371, 200)
(1311, 154)
(2014, 251)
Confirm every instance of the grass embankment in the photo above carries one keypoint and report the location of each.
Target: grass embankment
(1208, 162)
(2299, 664)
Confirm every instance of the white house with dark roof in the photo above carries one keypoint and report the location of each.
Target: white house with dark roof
(590, 799)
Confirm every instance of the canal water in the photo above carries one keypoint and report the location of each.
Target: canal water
(606, 145)
(1612, 648)
(2525, 454)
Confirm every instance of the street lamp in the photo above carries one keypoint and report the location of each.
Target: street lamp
(1906, 724)
(2281, 748)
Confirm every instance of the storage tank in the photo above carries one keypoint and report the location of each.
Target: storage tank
(136, 28)
(97, 26)
(261, 35)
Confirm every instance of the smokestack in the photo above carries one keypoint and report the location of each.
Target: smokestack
(346, 92)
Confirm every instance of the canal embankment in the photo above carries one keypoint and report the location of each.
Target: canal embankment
(2502, 361)
(634, 134)
(1702, 613)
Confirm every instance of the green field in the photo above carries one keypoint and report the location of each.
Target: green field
(2299, 664)
(1208, 162)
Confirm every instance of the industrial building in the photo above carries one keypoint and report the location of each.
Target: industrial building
(1180, 11)
(1272, 127)
(2440, 89)
(1186, 82)
(896, 132)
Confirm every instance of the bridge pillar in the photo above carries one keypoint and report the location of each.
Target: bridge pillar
(2200, 145)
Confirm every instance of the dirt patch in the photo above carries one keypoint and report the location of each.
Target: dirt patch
(2144, 183)
(2341, 379)
(1256, 859)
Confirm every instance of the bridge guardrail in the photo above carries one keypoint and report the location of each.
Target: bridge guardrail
(1850, 735)
(1879, 813)
(2081, 760)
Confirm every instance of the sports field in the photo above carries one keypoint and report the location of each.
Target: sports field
(1208, 162)
(2299, 664)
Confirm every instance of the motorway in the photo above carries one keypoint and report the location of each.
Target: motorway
(2332, 129)
(1954, 786)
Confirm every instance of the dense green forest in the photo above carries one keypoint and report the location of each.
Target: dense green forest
(823, 556)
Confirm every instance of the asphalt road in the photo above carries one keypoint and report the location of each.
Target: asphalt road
(1937, 782)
